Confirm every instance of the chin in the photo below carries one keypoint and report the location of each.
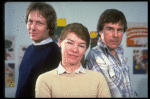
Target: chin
(114, 47)
(72, 62)
(37, 40)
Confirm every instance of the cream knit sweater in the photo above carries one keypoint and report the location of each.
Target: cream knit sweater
(90, 84)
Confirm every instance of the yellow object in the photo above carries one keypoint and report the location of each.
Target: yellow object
(93, 34)
(136, 67)
(61, 22)
(12, 84)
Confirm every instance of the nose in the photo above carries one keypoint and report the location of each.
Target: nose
(115, 34)
(33, 26)
(75, 49)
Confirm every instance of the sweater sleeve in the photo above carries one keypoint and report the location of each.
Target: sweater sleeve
(42, 90)
(103, 89)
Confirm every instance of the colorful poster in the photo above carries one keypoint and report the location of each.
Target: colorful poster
(9, 75)
(10, 48)
(137, 34)
(140, 61)
(94, 38)
(61, 23)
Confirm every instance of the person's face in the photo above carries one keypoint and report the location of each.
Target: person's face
(112, 35)
(72, 48)
(37, 27)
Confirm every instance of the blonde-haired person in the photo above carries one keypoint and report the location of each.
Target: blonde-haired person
(70, 79)
(44, 54)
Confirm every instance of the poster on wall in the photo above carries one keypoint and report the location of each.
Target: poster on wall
(140, 61)
(61, 23)
(9, 75)
(94, 38)
(137, 34)
(10, 48)
(22, 49)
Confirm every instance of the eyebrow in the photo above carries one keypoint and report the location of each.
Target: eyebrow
(73, 41)
(37, 21)
(109, 27)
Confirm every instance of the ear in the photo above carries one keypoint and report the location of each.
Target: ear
(59, 43)
(101, 34)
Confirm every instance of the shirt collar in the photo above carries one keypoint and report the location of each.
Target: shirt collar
(62, 70)
(46, 41)
(101, 44)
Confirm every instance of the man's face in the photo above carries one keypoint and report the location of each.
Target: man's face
(37, 27)
(112, 35)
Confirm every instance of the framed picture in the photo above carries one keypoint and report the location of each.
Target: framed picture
(9, 75)
(10, 48)
(137, 35)
(140, 61)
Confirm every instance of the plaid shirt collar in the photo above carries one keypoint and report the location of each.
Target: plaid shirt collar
(100, 43)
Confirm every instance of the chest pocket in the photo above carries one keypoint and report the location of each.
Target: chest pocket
(112, 74)
(106, 69)
(110, 70)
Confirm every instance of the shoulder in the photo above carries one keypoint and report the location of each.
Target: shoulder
(97, 50)
(49, 74)
(30, 47)
(52, 46)
(94, 53)
(28, 50)
(90, 54)
(94, 74)
(46, 78)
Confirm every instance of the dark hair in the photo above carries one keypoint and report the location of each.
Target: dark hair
(46, 11)
(111, 16)
(80, 30)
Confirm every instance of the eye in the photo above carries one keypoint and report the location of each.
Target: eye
(120, 30)
(82, 46)
(110, 29)
(69, 42)
(40, 23)
(29, 22)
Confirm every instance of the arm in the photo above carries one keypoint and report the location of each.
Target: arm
(90, 62)
(42, 89)
(133, 93)
(103, 89)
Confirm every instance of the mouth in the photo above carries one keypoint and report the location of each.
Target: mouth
(114, 41)
(73, 56)
(33, 34)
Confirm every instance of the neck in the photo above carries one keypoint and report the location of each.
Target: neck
(35, 42)
(113, 52)
(70, 67)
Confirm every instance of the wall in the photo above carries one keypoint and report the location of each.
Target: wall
(86, 13)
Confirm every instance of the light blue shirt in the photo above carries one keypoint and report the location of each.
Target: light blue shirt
(46, 41)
